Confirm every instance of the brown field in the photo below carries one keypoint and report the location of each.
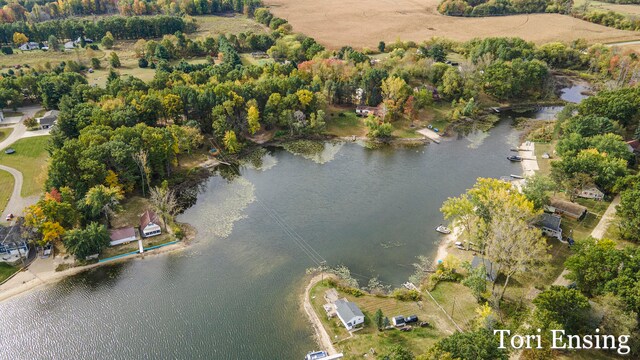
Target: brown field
(336, 23)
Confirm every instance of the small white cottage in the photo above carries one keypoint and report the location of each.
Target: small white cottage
(149, 224)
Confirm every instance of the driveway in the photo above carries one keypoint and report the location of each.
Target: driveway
(17, 203)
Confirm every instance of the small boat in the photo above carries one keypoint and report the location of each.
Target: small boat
(443, 229)
(514, 158)
(516, 176)
(316, 355)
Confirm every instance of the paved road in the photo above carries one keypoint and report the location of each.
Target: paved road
(17, 203)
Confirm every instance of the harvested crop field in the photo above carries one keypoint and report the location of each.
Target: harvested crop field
(336, 23)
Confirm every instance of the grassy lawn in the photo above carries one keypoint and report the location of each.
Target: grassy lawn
(130, 213)
(5, 132)
(39, 59)
(6, 271)
(133, 246)
(343, 121)
(6, 188)
(419, 339)
(210, 25)
(544, 164)
(31, 160)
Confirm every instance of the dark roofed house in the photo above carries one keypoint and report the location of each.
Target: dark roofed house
(550, 225)
(349, 313)
(570, 209)
(48, 120)
(634, 146)
(122, 236)
(491, 268)
(149, 224)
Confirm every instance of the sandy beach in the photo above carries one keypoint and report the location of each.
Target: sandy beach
(36, 277)
(322, 338)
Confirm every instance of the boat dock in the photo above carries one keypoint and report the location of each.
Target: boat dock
(430, 134)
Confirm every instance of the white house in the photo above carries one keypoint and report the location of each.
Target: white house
(550, 225)
(349, 313)
(591, 193)
(149, 224)
(122, 236)
(29, 46)
(366, 110)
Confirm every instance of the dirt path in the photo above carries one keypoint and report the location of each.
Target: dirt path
(322, 337)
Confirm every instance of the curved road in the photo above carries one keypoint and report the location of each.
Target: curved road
(17, 203)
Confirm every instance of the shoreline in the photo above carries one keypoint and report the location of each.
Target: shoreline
(321, 336)
(40, 280)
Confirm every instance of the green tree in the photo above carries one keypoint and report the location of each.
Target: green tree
(102, 200)
(164, 202)
(95, 63)
(381, 46)
(114, 60)
(53, 43)
(478, 344)
(231, 142)
(559, 304)
(452, 84)
(107, 40)
(476, 280)
(88, 241)
(629, 212)
(398, 352)
(537, 188)
(378, 319)
(253, 119)
(19, 38)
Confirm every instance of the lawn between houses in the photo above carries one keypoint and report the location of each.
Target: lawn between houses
(31, 159)
(6, 188)
(5, 132)
(418, 340)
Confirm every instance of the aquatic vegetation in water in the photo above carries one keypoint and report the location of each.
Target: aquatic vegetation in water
(390, 244)
(260, 159)
(316, 151)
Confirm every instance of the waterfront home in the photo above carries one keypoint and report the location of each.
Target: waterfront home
(349, 313)
(29, 46)
(149, 224)
(550, 225)
(591, 193)
(12, 246)
(569, 209)
(122, 236)
(491, 269)
(48, 120)
(366, 110)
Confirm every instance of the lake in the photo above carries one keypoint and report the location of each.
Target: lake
(234, 294)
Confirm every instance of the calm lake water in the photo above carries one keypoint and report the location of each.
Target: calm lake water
(234, 294)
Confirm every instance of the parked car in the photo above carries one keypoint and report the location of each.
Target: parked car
(411, 319)
(9, 217)
(10, 151)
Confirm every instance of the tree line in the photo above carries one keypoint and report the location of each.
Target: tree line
(503, 7)
(120, 27)
(29, 11)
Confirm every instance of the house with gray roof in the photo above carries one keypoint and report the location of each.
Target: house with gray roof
(48, 120)
(550, 225)
(349, 313)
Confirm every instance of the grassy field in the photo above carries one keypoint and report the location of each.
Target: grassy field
(544, 164)
(210, 25)
(6, 188)
(5, 132)
(6, 271)
(31, 160)
(130, 213)
(363, 24)
(419, 339)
